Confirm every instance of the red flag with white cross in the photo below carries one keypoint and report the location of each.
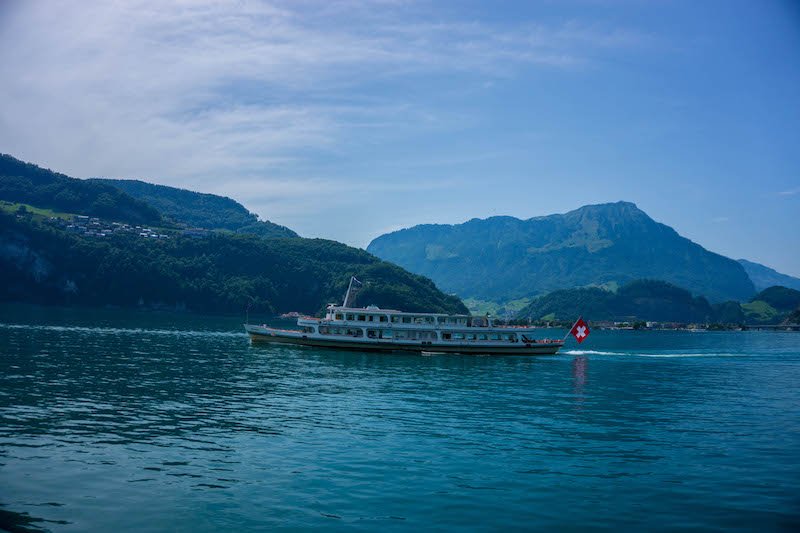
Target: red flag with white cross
(580, 330)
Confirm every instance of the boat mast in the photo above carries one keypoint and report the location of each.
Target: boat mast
(350, 292)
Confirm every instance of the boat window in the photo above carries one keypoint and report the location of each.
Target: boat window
(458, 336)
(470, 336)
(406, 320)
(446, 336)
(324, 330)
(386, 334)
(339, 316)
(383, 318)
(362, 318)
(351, 316)
(372, 334)
(495, 336)
(395, 319)
(482, 337)
(401, 335)
(371, 318)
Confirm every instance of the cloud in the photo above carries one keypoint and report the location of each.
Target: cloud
(189, 93)
(790, 192)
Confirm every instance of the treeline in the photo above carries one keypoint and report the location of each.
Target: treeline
(643, 299)
(26, 183)
(222, 273)
(773, 306)
(659, 301)
(200, 210)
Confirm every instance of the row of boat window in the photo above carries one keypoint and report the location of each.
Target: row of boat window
(461, 336)
(398, 319)
(416, 335)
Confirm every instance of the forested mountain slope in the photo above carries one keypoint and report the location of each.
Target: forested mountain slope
(505, 258)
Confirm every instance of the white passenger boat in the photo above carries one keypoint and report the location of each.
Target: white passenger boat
(375, 329)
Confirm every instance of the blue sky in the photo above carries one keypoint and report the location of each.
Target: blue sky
(345, 120)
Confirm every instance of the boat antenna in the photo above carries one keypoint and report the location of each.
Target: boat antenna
(247, 310)
(351, 291)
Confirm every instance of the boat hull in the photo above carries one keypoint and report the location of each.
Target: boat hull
(261, 334)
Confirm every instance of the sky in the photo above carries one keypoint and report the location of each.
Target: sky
(346, 120)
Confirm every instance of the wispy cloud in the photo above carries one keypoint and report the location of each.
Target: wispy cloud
(790, 192)
(189, 92)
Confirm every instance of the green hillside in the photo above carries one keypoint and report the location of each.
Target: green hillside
(658, 301)
(199, 210)
(759, 312)
(220, 273)
(647, 300)
(504, 258)
(25, 183)
(781, 298)
(772, 305)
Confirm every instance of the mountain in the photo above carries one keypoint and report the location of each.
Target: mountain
(505, 258)
(29, 184)
(772, 305)
(781, 298)
(646, 300)
(199, 210)
(218, 273)
(763, 276)
(132, 256)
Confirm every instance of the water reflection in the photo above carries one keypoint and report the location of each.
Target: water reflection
(24, 522)
(579, 367)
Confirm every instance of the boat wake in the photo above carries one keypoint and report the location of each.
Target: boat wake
(668, 355)
(657, 355)
(591, 352)
(122, 331)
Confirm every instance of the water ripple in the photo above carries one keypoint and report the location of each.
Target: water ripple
(197, 430)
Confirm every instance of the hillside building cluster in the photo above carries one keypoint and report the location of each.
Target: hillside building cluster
(96, 227)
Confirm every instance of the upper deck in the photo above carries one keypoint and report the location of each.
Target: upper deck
(373, 315)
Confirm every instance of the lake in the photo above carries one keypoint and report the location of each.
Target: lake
(123, 421)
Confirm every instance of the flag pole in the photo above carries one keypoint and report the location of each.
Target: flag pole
(571, 327)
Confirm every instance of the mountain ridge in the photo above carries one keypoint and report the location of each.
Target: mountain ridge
(49, 255)
(504, 258)
(198, 209)
(31, 184)
(764, 276)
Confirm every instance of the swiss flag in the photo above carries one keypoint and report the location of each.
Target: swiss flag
(580, 330)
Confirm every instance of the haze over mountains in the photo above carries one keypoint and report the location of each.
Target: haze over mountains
(611, 259)
(504, 258)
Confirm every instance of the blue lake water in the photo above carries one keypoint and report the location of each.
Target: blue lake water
(116, 421)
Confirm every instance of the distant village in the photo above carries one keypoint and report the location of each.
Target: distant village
(95, 227)
(634, 324)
